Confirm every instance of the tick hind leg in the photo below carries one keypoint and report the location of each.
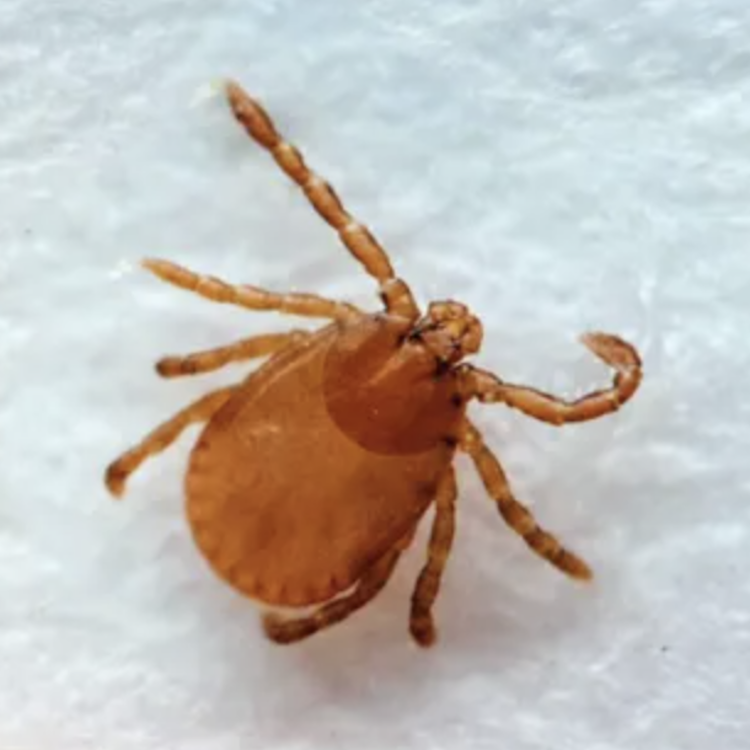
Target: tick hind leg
(213, 359)
(162, 437)
(421, 622)
(289, 630)
(323, 198)
(516, 515)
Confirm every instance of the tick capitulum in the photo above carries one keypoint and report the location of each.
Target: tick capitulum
(310, 476)
(449, 331)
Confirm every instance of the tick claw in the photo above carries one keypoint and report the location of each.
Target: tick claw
(171, 367)
(612, 350)
(115, 480)
(283, 631)
(423, 632)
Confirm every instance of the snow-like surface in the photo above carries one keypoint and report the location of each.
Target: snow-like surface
(559, 167)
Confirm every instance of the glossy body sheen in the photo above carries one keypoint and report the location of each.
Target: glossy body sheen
(323, 459)
(310, 476)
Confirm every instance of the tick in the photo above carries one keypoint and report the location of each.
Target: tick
(310, 476)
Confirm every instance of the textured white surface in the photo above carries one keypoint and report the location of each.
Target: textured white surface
(583, 165)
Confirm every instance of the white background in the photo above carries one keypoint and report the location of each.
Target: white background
(558, 166)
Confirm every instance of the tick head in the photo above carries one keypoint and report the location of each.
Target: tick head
(449, 331)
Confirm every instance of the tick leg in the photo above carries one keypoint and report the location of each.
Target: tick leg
(282, 630)
(323, 198)
(428, 584)
(251, 297)
(614, 351)
(213, 359)
(162, 437)
(516, 515)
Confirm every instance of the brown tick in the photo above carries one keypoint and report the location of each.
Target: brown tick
(311, 475)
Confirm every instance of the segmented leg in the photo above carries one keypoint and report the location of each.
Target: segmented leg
(162, 437)
(323, 198)
(517, 516)
(283, 630)
(428, 584)
(253, 298)
(614, 351)
(213, 359)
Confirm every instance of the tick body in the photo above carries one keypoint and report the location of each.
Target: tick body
(309, 478)
(289, 507)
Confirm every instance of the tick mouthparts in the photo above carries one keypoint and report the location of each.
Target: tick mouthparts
(417, 332)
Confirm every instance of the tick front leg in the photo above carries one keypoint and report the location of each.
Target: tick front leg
(516, 515)
(613, 350)
(282, 630)
(357, 239)
(213, 359)
(421, 622)
(162, 437)
(251, 297)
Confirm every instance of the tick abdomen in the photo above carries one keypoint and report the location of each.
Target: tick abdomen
(286, 506)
